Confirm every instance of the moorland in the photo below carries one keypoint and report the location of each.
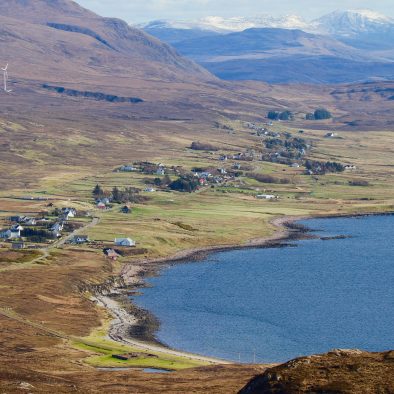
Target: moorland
(56, 148)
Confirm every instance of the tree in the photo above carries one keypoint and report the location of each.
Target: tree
(116, 197)
(157, 182)
(97, 191)
(322, 113)
(286, 115)
(185, 184)
(273, 115)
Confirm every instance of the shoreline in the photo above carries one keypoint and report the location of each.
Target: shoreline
(128, 318)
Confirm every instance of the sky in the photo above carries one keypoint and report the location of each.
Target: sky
(137, 11)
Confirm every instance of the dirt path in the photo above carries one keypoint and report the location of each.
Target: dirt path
(57, 244)
(63, 240)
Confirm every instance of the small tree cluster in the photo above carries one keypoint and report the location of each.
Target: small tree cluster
(285, 115)
(319, 114)
(36, 235)
(196, 145)
(321, 168)
(128, 194)
(185, 184)
(162, 182)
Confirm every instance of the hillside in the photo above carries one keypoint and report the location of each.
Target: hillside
(113, 83)
(339, 371)
(53, 34)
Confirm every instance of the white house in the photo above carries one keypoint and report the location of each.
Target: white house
(30, 221)
(160, 171)
(80, 239)
(127, 169)
(266, 197)
(56, 229)
(331, 135)
(124, 242)
(16, 228)
(69, 213)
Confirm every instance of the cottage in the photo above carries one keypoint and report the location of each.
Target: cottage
(18, 245)
(80, 239)
(237, 166)
(101, 205)
(350, 167)
(295, 165)
(160, 171)
(69, 212)
(56, 229)
(266, 197)
(30, 221)
(127, 169)
(150, 190)
(16, 228)
(14, 232)
(330, 135)
(222, 171)
(112, 254)
(124, 242)
(223, 158)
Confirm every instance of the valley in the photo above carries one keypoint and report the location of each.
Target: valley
(119, 155)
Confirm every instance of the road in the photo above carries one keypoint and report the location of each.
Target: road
(61, 241)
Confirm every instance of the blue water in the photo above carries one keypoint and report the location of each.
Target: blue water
(271, 305)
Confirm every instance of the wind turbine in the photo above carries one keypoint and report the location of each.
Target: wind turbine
(5, 75)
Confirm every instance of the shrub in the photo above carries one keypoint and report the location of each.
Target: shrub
(263, 178)
(358, 182)
(196, 145)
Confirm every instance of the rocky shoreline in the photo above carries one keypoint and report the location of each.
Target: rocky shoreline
(135, 326)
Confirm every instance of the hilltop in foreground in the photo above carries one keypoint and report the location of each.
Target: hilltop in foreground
(339, 371)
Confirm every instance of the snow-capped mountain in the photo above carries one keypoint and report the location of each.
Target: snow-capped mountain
(341, 47)
(226, 25)
(338, 23)
(352, 22)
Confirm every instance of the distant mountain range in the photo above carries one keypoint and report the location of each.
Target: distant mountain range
(344, 46)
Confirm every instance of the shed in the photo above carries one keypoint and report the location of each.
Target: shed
(18, 245)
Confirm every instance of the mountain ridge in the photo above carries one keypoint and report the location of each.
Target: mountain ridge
(358, 20)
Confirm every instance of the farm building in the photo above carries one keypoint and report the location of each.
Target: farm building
(124, 242)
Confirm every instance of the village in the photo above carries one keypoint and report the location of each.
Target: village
(234, 172)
